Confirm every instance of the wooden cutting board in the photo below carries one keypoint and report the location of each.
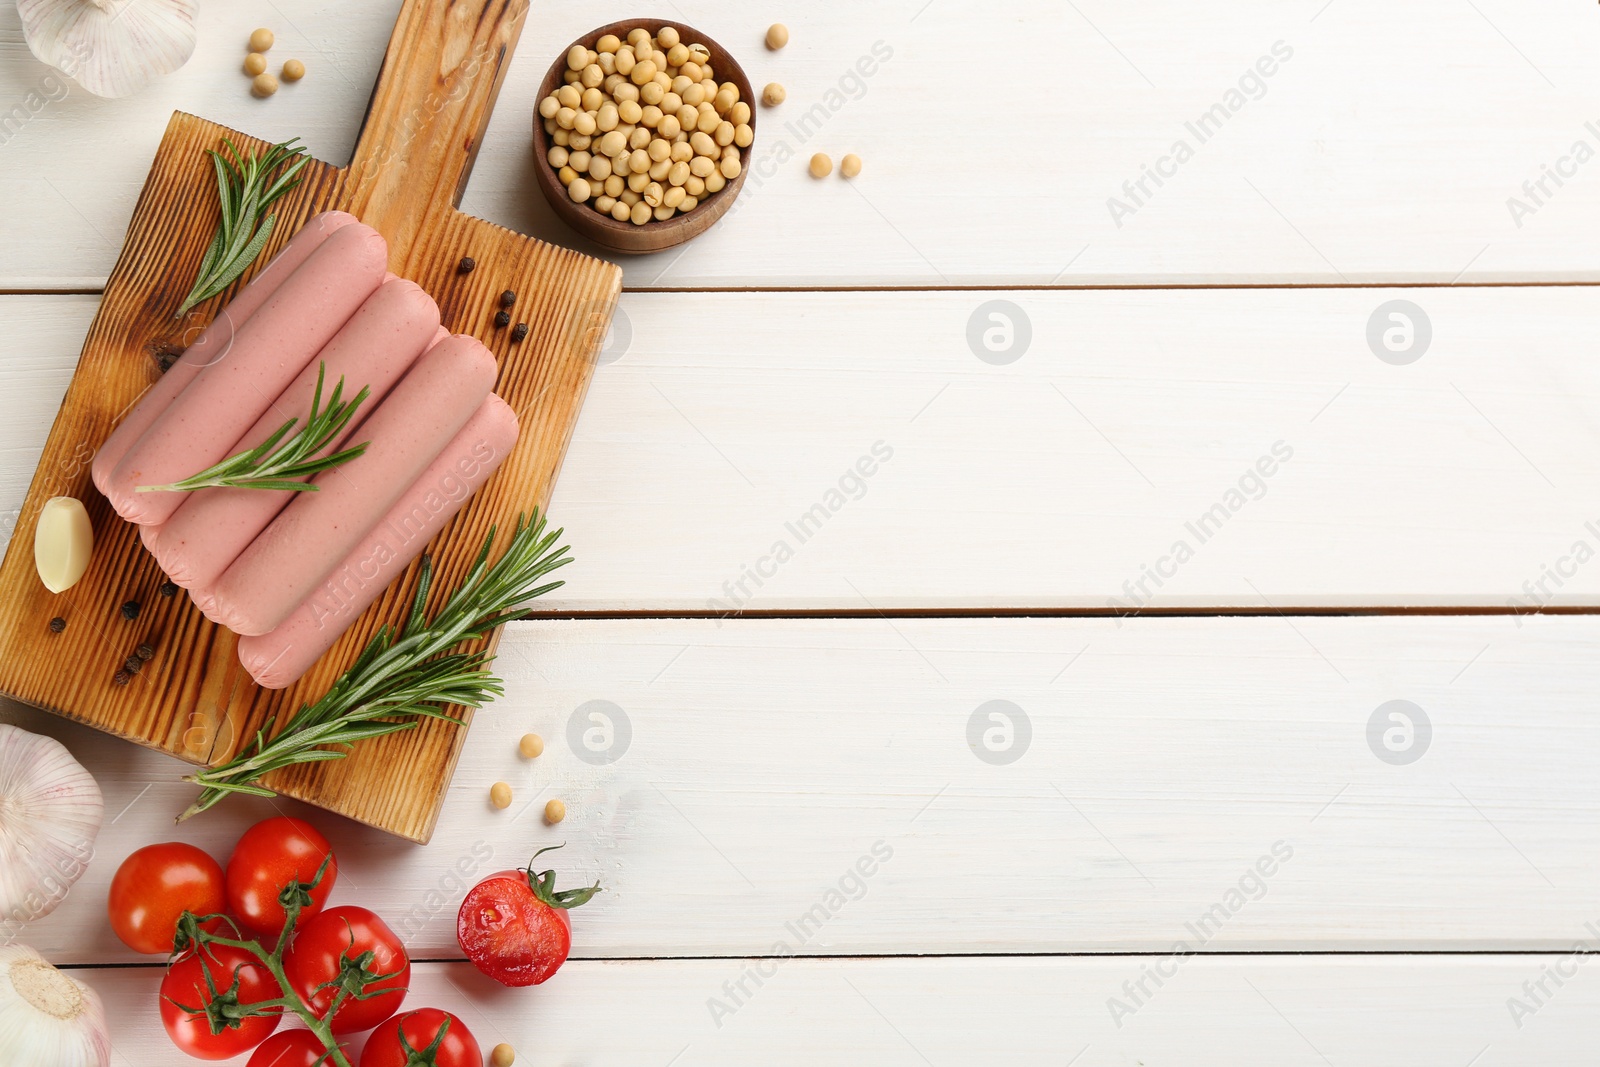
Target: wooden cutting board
(423, 125)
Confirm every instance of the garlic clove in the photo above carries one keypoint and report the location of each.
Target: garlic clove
(62, 542)
(47, 1018)
(50, 812)
(110, 47)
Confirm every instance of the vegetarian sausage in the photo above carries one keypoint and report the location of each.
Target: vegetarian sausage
(273, 346)
(318, 530)
(374, 349)
(279, 658)
(213, 341)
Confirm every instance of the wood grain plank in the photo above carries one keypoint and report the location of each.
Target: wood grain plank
(1363, 157)
(753, 766)
(1466, 479)
(1221, 1012)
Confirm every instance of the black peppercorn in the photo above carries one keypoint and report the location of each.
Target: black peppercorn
(520, 332)
(168, 589)
(130, 610)
(507, 298)
(502, 320)
(132, 664)
(121, 678)
(57, 624)
(467, 265)
(144, 652)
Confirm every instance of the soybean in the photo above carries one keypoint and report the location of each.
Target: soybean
(640, 128)
(821, 165)
(777, 36)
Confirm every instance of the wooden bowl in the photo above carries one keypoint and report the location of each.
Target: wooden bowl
(653, 236)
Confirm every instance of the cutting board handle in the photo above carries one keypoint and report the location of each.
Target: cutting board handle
(432, 102)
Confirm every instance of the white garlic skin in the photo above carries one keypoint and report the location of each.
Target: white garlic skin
(47, 1018)
(50, 814)
(112, 48)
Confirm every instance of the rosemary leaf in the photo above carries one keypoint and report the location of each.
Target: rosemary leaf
(404, 676)
(246, 187)
(279, 464)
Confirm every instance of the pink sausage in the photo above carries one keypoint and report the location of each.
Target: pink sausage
(280, 658)
(271, 349)
(374, 349)
(318, 530)
(151, 534)
(214, 339)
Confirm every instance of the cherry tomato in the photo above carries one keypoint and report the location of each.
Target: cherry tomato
(185, 984)
(270, 856)
(427, 1037)
(292, 1048)
(513, 925)
(157, 884)
(330, 948)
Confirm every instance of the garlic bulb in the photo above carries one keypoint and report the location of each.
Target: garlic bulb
(48, 1019)
(50, 811)
(110, 47)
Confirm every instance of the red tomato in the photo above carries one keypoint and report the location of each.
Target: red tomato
(269, 857)
(343, 945)
(185, 984)
(427, 1037)
(292, 1048)
(156, 885)
(513, 925)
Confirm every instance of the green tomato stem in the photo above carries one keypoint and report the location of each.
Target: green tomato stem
(273, 962)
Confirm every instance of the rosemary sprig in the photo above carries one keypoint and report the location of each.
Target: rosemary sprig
(402, 676)
(268, 466)
(245, 188)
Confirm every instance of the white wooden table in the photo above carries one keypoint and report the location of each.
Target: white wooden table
(1196, 524)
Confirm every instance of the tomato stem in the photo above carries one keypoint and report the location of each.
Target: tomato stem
(296, 896)
(543, 884)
